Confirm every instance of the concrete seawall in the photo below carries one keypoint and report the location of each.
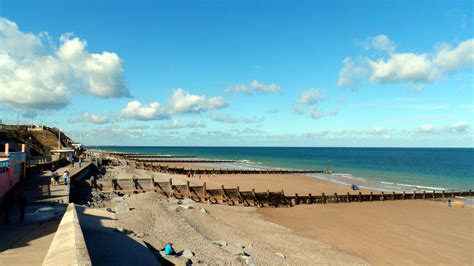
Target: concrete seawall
(68, 246)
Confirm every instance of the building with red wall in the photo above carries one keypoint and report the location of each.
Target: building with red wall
(12, 169)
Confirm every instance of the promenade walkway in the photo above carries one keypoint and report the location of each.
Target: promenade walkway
(28, 242)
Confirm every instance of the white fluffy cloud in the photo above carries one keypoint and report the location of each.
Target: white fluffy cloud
(95, 119)
(36, 75)
(174, 124)
(405, 67)
(410, 68)
(184, 102)
(451, 59)
(310, 96)
(255, 86)
(351, 73)
(138, 111)
(180, 102)
(383, 43)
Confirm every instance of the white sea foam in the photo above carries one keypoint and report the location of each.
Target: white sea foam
(388, 183)
(405, 185)
(431, 188)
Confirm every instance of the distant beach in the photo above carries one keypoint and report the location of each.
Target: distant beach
(400, 232)
(388, 169)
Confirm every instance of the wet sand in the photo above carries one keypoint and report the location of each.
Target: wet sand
(387, 233)
(290, 183)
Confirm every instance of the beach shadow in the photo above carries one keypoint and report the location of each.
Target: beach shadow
(108, 246)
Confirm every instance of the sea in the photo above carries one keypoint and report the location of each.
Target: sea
(385, 169)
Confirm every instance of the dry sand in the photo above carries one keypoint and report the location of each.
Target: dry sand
(399, 232)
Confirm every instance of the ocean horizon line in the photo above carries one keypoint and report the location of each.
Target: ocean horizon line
(230, 146)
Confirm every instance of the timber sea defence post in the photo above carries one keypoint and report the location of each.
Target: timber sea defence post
(233, 196)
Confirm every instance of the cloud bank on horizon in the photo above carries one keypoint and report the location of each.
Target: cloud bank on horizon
(42, 75)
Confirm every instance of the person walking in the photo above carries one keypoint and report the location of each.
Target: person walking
(22, 203)
(65, 177)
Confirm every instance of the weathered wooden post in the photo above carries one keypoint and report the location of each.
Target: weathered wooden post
(442, 193)
(170, 188)
(424, 194)
(382, 197)
(188, 189)
(404, 196)
(434, 194)
(310, 200)
(348, 197)
(323, 199)
(223, 193)
(297, 199)
(286, 200)
(414, 194)
(393, 195)
(255, 200)
(360, 196)
(470, 192)
(270, 203)
(371, 198)
(336, 197)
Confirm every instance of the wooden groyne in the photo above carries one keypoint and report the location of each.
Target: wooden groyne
(181, 160)
(157, 167)
(233, 196)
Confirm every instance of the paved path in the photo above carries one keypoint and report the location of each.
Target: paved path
(28, 242)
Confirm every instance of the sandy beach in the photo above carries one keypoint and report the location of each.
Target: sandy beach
(290, 183)
(399, 232)
(387, 233)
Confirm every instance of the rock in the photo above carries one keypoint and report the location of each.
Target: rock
(187, 201)
(187, 206)
(248, 260)
(117, 199)
(280, 255)
(173, 200)
(241, 245)
(187, 253)
(110, 210)
(174, 208)
(204, 211)
(140, 234)
(221, 243)
(233, 249)
(122, 208)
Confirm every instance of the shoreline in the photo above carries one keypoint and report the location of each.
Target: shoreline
(378, 180)
(400, 232)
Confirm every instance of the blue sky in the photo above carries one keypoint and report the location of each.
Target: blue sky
(260, 73)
